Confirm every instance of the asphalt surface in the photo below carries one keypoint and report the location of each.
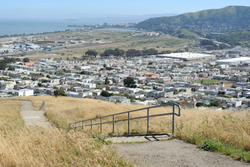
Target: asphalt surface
(32, 117)
(174, 153)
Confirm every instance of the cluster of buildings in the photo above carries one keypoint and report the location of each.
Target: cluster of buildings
(18, 48)
(198, 78)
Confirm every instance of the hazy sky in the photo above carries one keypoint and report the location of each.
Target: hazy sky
(71, 8)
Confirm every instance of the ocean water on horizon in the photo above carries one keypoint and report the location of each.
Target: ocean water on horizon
(27, 26)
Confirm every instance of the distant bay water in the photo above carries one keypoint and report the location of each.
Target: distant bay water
(27, 26)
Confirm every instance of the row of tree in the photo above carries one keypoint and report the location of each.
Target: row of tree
(120, 52)
(5, 61)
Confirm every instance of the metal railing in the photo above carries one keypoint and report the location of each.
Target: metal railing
(83, 123)
(42, 107)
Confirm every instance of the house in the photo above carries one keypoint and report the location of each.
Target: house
(234, 103)
(96, 92)
(150, 75)
(119, 99)
(136, 96)
(24, 92)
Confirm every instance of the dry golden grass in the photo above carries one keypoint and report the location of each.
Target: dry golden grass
(193, 125)
(229, 131)
(33, 146)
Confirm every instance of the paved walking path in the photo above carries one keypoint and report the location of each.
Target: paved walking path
(174, 153)
(32, 117)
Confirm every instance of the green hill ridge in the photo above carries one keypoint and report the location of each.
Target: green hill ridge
(228, 19)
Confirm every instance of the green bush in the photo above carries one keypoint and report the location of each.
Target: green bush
(199, 104)
(208, 145)
(59, 92)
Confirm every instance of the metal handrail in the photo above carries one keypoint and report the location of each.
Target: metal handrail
(82, 123)
(42, 106)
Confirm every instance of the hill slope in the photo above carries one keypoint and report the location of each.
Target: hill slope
(228, 19)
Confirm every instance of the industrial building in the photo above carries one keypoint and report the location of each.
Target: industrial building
(233, 61)
(187, 56)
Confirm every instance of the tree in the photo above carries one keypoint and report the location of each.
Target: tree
(48, 76)
(151, 51)
(91, 53)
(17, 59)
(126, 95)
(2, 65)
(133, 53)
(104, 65)
(129, 82)
(199, 104)
(59, 92)
(214, 103)
(106, 81)
(11, 68)
(176, 92)
(106, 93)
(39, 85)
(115, 52)
(26, 60)
(109, 68)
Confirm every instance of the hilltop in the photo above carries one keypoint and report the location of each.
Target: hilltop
(228, 19)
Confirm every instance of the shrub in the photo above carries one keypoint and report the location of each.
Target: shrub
(199, 104)
(59, 92)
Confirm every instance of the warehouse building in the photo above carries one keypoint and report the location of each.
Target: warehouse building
(233, 61)
(187, 56)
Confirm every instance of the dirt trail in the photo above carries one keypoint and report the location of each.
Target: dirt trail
(174, 153)
(32, 117)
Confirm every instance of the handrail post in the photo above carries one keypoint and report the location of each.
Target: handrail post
(100, 125)
(148, 121)
(128, 123)
(69, 126)
(91, 126)
(82, 125)
(173, 120)
(113, 124)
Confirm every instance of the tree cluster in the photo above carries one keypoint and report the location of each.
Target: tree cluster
(25, 60)
(5, 61)
(59, 92)
(115, 52)
(129, 82)
(91, 53)
(120, 52)
(106, 93)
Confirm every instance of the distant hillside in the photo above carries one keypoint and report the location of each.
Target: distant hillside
(228, 19)
(184, 33)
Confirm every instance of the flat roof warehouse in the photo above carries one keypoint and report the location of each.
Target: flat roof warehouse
(187, 56)
(233, 60)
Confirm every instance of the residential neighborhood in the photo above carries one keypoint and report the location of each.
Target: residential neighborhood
(195, 81)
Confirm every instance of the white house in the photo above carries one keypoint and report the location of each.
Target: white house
(24, 92)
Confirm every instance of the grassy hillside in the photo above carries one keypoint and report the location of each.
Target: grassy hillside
(32, 146)
(231, 18)
(184, 33)
(222, 131)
